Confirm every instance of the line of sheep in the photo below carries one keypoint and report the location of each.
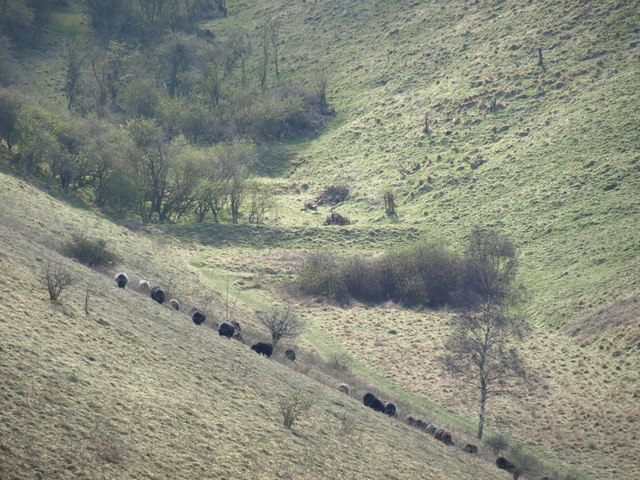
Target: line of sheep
(388, 408)
(225, 329)
(232, 330)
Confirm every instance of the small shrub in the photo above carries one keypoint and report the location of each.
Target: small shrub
(333, 195)
(93, 253)
(321, 274)
(389, 203)
(525, 463)
(497, 443)
(339, 361)
(56, 278)
(292, 408)
(282, 322)
(336, 219)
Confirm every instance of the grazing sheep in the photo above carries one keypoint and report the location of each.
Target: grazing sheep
(410, 420)
(158, 294)
(226, 329)
(430, 428)
(263, 348)
(504, 464)
(420, 424)
(472, 449)
(197, 316)
(236, 325)
(175, 304)
(290, 353)
(144, 287)
(344, 388)
(390, 409)
(121, 279)
(371, 401)
(445, 437)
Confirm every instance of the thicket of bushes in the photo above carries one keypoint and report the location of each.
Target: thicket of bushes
(162, 116)
(426, 274)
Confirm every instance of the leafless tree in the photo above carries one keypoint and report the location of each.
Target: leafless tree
(74, 65)
(264, 65)
(56, 278)
(482, 354)
(482, 348)
(274, 31)
(321, 82)
(292, 408)
(487, 275)
(282, 322)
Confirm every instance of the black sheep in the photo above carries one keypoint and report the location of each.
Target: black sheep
(197, 316)
(410, 420)
(390, 409)
(225, 329)
(158, 294)
(445, 437)
(121, 279)
(470, 448)
(290, 353)
(263, 348)
(371, 401)
(504, 464)
(175, 304)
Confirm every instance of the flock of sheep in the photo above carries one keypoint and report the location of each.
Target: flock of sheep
(232, 330)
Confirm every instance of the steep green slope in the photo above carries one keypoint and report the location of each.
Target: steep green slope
(135, 390)
(555, 147)
(546, 154)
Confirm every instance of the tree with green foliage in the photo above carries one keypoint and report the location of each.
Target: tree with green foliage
(235, 160)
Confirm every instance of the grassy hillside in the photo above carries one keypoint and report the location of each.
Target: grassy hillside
(135, 390)
(544, 153)
(560, 146)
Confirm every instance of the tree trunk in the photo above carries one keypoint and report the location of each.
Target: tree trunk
(483, 401)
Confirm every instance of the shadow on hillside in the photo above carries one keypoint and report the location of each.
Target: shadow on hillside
(262, 236)
(274, 160)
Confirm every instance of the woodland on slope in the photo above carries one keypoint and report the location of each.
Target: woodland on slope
(221, 122)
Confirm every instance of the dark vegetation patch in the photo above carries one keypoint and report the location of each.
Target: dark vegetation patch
(333, 195)
(334, 218)
(91, 252)
(425, 274)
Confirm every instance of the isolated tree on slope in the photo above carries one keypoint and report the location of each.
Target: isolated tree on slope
(482, 351)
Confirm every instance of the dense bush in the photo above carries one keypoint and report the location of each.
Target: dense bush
(93, 253)
(421, 275)
(425, 274)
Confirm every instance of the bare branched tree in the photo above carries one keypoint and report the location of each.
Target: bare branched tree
(282, 322)
(292, 408)
(56, 279)
(482, 348)
(481, 354)
(74, 64)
